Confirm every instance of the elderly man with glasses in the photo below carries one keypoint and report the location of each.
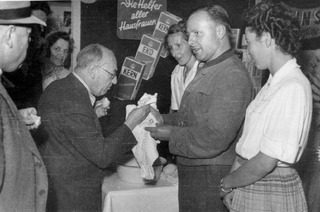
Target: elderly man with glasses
(74, 150)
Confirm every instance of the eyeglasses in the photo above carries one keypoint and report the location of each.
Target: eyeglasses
(112, 75)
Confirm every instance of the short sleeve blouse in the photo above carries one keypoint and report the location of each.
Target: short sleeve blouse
(278, 120)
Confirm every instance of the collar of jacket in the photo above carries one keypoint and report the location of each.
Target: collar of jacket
(227, 54)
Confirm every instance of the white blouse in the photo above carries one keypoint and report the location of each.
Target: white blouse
(178, 85)
(278, 120)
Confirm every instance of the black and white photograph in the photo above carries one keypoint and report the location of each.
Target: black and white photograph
(160, 106)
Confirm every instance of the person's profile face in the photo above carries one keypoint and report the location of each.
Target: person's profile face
(20, 39)
(203, 38)
(256, 48)
(179, 48)
(105, 78)
(59, 52)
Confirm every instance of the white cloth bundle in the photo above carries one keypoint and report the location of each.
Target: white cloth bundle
(145, 151)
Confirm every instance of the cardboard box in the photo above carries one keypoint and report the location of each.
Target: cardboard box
(129, 79)
(165, 20)
(149, 52)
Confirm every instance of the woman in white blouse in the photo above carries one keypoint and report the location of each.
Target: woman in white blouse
(277, 121)
(176, 42)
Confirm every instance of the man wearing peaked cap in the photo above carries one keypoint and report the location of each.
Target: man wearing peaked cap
(23, 177)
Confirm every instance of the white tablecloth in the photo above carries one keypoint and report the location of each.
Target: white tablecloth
(119, 196)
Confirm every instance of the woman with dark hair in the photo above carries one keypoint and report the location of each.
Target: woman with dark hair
(58, 48)
(176, 41)
(277, 121)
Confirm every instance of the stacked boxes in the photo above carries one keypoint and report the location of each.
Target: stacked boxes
(143, 65)
(129, 79)
(166, 19)
(149, 52)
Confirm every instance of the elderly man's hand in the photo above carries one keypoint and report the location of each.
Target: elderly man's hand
(30, 118)
(101, 107)
(100, 111)
(160, 132)
(137, 115)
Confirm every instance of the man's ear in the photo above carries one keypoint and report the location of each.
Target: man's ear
(92, 72)
(9, 34)
(221, 31)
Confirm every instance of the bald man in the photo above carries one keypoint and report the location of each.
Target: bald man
(74, 149)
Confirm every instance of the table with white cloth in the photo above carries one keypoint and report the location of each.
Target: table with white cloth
(120, 196)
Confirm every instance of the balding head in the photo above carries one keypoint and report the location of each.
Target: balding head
(97, 66)
(93, 54)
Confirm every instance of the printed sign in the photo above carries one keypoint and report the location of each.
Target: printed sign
(138, 17)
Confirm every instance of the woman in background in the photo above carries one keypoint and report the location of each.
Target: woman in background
(176, 42)
(58, 47)
(277, 122)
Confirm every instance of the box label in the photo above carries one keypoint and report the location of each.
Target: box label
(129, 79)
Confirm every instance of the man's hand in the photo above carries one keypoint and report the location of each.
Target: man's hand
(160, 132)
(137, 115)
(30, 118)
(100, 111)
(157, 115)
(101, 107)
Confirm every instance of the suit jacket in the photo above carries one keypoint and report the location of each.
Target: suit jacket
(74, 149)
(23, 177)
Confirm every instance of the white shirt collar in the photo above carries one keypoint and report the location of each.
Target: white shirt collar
(92, 98)
(283, 71)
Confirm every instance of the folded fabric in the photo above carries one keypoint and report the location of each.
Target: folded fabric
(145, 151)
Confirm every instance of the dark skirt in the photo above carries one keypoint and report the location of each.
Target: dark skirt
(199, 188)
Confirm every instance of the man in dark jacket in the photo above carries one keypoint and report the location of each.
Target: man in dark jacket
(23, 179)
(203, 133)
(74, 149)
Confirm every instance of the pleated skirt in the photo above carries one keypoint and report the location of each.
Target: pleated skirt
(279, 191)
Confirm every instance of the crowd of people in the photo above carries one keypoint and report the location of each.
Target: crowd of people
(234, 151)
